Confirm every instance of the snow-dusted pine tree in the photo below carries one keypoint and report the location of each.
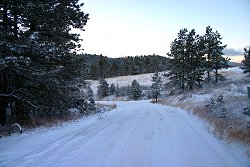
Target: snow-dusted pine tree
(103, 88)
(37, 55)
(246, 61)
(135, 90)
(214, 52)
(156, 86)
(112, 89)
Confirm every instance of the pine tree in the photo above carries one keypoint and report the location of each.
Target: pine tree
(246, 61)
(103, 88)
(135, 90)
(200, 60)
(36, 42)
(156, 86)
(112, 89)
(213, 52)
(186, 59)
(117, 90)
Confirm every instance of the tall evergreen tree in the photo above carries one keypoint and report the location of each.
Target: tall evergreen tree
(178, 60)
(214, 52)
(186, 59)
(156, 86)
(246, 61)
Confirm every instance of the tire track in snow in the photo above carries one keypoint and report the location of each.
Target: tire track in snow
(138, 134)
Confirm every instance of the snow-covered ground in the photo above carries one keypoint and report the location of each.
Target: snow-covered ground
(135, 134)
(231, 74)
(143, 79)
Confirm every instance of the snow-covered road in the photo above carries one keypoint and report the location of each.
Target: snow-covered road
(136, 134)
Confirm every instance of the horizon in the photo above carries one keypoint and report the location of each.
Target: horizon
(130, 28)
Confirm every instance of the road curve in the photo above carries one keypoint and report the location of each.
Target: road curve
(136, 134)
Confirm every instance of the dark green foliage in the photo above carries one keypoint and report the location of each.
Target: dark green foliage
(112, 89)
(135, 90)
(156, 86)
(213, 52)
(246, 61)
(38, 64)
(191, 55)
(101, 66)
(187, 63)
(103, 88)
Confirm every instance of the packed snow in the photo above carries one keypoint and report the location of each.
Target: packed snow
(135, 134)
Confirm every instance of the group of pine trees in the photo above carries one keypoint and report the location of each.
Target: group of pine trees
(40, 72)
(192, 55)
(133, 91)
(98, 66)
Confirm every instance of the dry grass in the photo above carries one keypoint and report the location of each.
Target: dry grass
(231, 128)
(239, 134)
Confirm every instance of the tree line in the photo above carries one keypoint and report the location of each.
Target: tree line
(98, 66)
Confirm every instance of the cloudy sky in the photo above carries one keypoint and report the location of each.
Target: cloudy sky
(140, 27)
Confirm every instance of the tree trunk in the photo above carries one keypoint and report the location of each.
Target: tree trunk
(216, 69)
(3, 75)
(3, 99)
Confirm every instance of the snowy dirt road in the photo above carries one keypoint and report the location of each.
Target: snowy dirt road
(136, 134)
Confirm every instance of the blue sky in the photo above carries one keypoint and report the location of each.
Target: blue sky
(137, 27)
